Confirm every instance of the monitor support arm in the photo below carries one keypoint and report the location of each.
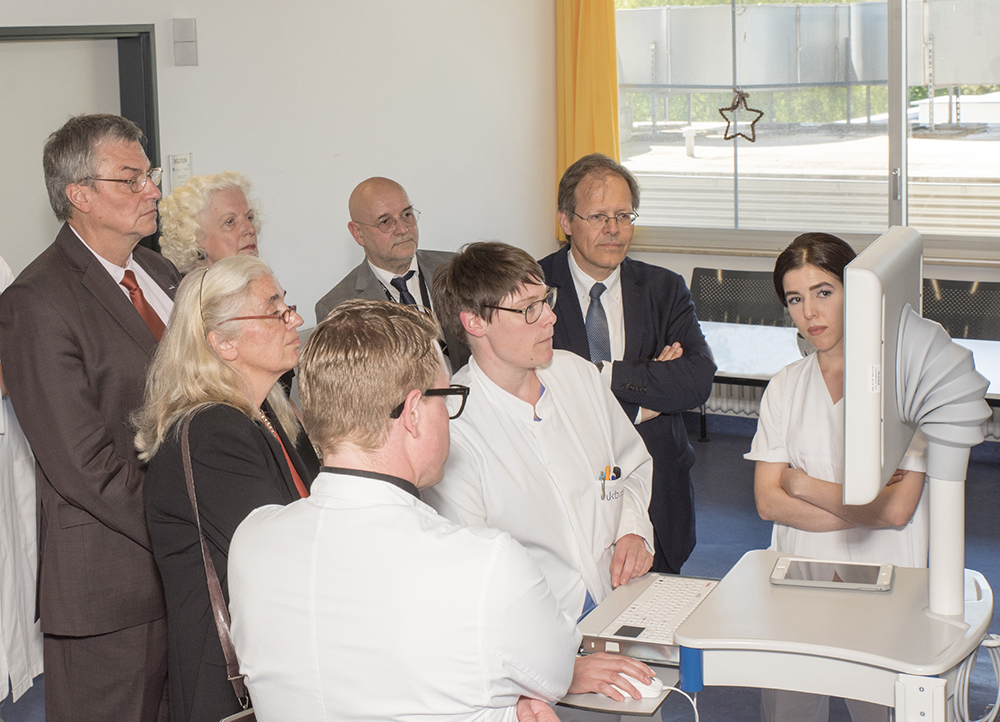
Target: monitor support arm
(940, 391)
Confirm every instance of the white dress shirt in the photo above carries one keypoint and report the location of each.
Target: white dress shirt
(360, 602)
(155, 296)
(611, 299)
(539, 479)
(801, 426)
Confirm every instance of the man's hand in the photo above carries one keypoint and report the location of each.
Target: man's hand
(631, 559)
(534, 710)
(597, 672)
(897, 476)
(671, 352)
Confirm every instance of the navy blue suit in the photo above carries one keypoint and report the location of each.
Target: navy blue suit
(658, 312)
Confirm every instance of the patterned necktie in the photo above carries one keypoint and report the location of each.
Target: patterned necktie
(399, 283)
(597, 326)
(144, 309)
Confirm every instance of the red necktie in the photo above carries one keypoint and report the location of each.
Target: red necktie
(144, 309)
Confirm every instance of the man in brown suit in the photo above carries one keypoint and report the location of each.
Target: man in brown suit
(76, 335)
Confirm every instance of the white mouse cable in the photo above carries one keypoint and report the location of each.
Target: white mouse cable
(693, 701)
(960, 699)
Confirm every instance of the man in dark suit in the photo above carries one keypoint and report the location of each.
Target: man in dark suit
(637, 323)
(384, 223)
(77, 329)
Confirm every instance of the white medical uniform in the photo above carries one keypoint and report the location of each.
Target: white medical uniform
(20, 634)
(539, 478)
(801, 426)
(360, 602)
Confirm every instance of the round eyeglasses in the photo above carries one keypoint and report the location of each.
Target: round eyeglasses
(533, 311)
(137, 182)
(284, 316)
(454, 399)
(600, 220)
(388, 224)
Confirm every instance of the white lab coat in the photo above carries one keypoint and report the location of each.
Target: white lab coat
(539, 479)
(20, 634)
(360, 602)
(801, 426)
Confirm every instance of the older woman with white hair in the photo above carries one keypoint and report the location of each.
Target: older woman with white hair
(230, 337)
(207, 219)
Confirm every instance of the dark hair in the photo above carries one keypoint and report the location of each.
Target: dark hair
(70, 157)
(599, 165)
(479, 276)
(822, 250)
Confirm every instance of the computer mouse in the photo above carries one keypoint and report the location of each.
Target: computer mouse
(653, 689)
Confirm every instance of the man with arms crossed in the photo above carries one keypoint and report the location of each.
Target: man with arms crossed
(384, 223)
(361, 602)
(77, 330)
(543, 450)
(641, 331)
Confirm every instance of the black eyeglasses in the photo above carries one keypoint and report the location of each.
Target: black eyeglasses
(388, 224)
(454, 398)
(600, 220)
(533, 311)
(138, 182)
(285, 316)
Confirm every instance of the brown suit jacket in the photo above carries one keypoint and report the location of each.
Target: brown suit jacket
(75, 353)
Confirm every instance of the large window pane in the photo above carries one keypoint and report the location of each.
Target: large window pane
(818, 72)
(954, 156)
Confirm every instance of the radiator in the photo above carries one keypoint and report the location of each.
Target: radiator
(739, 400)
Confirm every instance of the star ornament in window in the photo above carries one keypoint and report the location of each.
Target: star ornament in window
(739, 113)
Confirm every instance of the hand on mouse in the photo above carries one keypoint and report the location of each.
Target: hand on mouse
(603, 672)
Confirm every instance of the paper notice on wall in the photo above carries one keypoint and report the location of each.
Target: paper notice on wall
(180, 170)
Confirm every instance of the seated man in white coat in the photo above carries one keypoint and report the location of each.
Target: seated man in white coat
(360, 601)
(543, 450)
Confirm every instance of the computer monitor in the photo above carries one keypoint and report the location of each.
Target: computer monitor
(877, 285)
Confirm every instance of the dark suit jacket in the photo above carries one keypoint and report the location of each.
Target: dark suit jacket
(75, 353)
(237, 466)
(361, 283)
(658, 312)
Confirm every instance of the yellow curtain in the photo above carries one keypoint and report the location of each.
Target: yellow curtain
(587, 80)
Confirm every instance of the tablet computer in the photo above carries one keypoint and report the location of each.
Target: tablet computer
(802, 572)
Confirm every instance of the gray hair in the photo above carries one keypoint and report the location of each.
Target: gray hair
(70, 153)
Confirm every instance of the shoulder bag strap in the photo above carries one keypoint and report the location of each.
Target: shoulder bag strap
(219, 610)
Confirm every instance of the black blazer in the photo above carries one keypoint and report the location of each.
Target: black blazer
(238, 466)
(658, 311)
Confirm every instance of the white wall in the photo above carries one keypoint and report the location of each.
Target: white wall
(453, 98)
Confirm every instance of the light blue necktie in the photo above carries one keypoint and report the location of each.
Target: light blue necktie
(597, 326)
(399, 283)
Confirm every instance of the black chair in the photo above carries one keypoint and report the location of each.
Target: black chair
(966, 309)
(735, 297)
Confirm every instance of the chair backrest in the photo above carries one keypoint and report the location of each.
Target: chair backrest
(737, 297)
(966, 309)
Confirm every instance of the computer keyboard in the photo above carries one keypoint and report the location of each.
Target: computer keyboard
(659, 610)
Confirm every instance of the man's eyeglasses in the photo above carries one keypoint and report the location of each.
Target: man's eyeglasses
(138, 182)
(533, 311)
(600, 220)
(285, 316)
(454, 398)
(388, 224)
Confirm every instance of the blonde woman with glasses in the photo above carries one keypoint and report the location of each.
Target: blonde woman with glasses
(231, 336)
